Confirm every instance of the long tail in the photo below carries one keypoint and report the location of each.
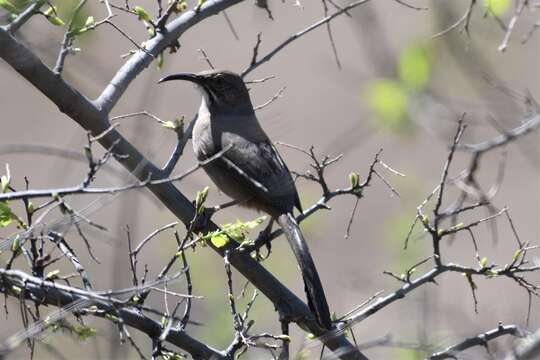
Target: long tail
(314, 290)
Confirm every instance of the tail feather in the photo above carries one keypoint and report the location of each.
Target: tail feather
(313, 287)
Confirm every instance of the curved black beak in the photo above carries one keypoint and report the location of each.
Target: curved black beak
(183, 76)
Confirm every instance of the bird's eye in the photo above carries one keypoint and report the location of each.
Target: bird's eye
(219, 80)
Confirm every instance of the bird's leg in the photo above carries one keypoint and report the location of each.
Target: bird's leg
(264, 239)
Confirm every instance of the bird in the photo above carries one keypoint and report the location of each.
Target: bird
(250, 170)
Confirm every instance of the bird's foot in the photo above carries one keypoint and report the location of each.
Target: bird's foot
(263, 239)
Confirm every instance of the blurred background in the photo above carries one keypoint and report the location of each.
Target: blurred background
(392, 86)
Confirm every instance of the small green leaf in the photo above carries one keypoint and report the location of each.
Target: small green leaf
(169, 125)
(84, 332)
(8, 5)
(52, 275)
(354, 179)
(219, 240)
(30, 208)
(6, 216)
(200, 199)
(16, 245)
(16, 289)
(50, 14)
(496, 7)
(456, 227)
(56, 21)
(516, 255)
(310, 336)
(483, 262)
(141, 13)
(4, 181)
(90, 21)
(286, 338)
(180, 6)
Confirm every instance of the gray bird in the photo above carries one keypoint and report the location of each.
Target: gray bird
(251, 170)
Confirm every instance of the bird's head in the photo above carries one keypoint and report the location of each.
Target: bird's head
(223, 90)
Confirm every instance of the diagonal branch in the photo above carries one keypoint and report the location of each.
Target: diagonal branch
(293, 37)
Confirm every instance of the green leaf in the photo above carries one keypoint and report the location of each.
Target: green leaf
(169, 125)
(50, 14)
(90, 21)
(4, 181)
(84, 332)
(516, 255)
(200, 199)
(496, 7)
(237, 231)
(30, 208)
(56, 21)
(8, 5)
(180, 6)
(388, 100)
(219, 240)
(141, 13)
(354, 179)
(483, 262)
(16, 246)
(414, 67)
(6, 215)
(51, 275)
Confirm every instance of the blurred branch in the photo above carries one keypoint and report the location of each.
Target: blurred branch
(528, 350)
(528, 126)
(478, 340)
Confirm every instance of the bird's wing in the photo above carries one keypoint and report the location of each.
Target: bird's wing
(257, 166)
